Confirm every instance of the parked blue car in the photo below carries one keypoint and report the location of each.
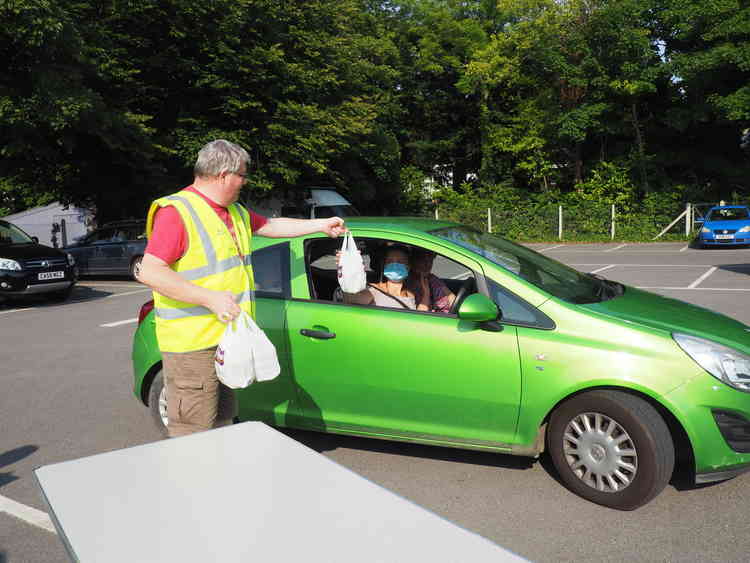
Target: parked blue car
(114, 249)
(725, 225)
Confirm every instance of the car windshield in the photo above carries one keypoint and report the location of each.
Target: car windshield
(325, 211)
(550, 275)
(728, 214)
(10, 234)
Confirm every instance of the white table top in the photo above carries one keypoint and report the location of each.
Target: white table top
(241, 493)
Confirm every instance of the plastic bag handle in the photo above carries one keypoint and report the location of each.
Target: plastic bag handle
(346, 244)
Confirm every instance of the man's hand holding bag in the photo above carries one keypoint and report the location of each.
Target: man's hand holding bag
(245, 354)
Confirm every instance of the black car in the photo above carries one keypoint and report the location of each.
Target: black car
(114, 249)
(28, 268)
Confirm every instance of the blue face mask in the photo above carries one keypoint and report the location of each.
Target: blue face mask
(395, 271)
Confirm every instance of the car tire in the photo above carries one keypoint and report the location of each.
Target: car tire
(135, 267)
(611, 448)
(157, 402)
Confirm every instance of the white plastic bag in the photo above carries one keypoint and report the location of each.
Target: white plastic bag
(351, 269)
(245, 354)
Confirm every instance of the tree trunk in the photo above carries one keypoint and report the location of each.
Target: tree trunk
(578, 165)
(641, 148)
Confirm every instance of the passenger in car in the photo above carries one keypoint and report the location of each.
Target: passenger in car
(439, 296)
(391, 290)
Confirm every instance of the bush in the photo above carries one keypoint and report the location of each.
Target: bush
(587, 212)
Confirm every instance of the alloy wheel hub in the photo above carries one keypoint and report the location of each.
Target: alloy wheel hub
(600, 452)
(163, 406)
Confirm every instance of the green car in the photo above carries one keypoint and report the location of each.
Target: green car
(618, 385)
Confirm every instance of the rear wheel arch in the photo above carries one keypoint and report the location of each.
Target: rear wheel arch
(148, 379)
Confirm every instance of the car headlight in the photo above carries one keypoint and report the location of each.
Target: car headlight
(705, 230)
(8, 264)
(71, 259)
(728, 365)
(745, 229)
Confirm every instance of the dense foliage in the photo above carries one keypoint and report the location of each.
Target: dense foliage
(522, 103)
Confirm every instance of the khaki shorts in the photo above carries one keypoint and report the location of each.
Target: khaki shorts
(196, 399)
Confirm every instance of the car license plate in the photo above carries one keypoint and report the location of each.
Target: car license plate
(51, 275)
(724, 237)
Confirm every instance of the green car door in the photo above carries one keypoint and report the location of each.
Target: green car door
(398, 373)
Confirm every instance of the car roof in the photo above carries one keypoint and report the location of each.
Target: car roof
(398, 224)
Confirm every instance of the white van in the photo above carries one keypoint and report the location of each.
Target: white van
(313, 203)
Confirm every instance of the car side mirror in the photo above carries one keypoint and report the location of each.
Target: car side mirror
(35, 239)
(478, 308)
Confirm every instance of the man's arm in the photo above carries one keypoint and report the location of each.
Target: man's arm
(282, 227)
(157, 274)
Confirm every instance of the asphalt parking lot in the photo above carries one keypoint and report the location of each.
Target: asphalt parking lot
(66, 393)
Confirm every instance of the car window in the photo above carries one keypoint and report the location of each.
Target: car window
(271, 271)
(324, 211)
(446, 279)
(10, 234)
(515, 310)
(101, 236)
(135, 232)
(550, 275)
(728, 214)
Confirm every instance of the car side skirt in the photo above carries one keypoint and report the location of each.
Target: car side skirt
(723, 475)
(435, 440)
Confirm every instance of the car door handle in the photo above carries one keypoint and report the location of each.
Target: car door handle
(323, 335)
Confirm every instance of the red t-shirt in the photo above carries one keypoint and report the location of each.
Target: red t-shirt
(168, 239)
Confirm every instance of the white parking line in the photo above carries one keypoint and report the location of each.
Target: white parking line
(551, 248)
(615, 248)
(104, 284)
(27, 514)
(126, 293)
(602, 269)
(118, 323)
(15, 310)
(646, 265)
(696, 288)
(703, 277)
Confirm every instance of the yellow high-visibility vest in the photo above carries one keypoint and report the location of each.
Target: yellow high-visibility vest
(211, 261)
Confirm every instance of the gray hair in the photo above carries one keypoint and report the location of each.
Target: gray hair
(220, 156)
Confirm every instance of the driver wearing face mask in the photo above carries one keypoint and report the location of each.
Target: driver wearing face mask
(391, 290)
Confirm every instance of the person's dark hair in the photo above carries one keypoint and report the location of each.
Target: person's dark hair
(418, 252)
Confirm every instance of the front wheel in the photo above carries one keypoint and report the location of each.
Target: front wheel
(611, 448)
(157, 402)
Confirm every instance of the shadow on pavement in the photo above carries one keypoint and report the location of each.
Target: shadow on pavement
(80, 294)
(3, 558)
(683, 478)
(736, 268)
(114, 278)
(12, 456)
(695, 243)
(328, 442)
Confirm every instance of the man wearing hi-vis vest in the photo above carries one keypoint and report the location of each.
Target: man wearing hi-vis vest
(197, 262)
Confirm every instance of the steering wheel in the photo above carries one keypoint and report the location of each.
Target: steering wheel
(462, 292)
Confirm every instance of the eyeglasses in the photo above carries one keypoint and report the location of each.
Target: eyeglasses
(243, 174)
